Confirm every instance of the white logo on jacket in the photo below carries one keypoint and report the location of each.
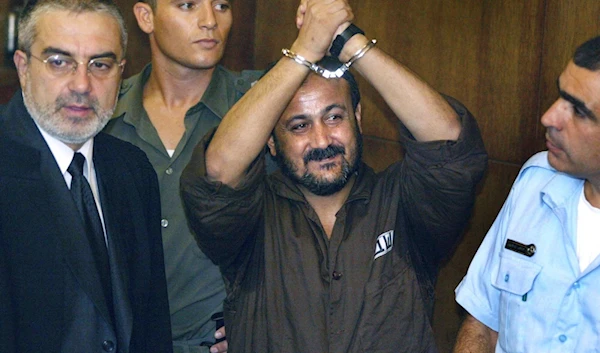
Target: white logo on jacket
(385, 243)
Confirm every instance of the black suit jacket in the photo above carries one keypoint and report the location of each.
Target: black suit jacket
(51, 298)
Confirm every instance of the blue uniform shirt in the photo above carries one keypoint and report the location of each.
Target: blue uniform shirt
(542, 302)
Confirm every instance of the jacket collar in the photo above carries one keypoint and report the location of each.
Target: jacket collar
(219, 96)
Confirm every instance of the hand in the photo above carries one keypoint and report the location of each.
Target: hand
(300, 13)
(220, 347)
(300, 18)
(319, 21)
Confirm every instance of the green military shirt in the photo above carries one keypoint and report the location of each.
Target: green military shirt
(195, 286)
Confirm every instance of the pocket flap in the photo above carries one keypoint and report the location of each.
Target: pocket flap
(516, 275)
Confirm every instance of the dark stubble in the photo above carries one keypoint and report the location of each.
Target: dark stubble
(313, 183)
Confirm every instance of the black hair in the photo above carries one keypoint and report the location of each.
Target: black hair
(587, 55)
(330, 63)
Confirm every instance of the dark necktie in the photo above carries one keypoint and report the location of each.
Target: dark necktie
(84, 199)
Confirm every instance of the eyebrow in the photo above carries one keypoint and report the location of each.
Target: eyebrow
(52, 50)
(333, 106)
(575, 102)
(323, 112)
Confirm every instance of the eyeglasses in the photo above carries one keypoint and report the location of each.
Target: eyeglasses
(61, 65)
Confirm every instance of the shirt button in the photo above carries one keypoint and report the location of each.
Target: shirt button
(169, 171)
(562, 338)
(336, 275)
(108, 346)
(164, 223)
(506, 277)
(576, 285)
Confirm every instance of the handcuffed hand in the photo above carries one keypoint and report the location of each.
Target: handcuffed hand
(319, 21)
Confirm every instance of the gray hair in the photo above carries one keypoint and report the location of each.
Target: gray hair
(34, 9)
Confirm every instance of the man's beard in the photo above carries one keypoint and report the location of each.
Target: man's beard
(314, 184)
(67, 129)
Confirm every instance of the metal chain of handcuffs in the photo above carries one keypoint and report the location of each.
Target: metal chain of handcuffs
(335, 50)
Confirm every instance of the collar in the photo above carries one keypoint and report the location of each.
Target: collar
(63, 154)
(219, 95)
(131, 97)
(561, 190)
(557, 190)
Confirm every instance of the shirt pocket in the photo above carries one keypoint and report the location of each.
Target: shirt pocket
(515, 279)
(393, 318)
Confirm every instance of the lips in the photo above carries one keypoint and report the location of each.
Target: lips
(78, 111)
(327, 161)
(207, 43)
(552, 146)
(78, 108)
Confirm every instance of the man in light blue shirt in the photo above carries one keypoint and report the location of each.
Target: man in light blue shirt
(534, 284)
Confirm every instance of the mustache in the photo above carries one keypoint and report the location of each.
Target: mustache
(550, 137)
(318, 154)
(77, 98)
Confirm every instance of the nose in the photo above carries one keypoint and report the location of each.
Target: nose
(80, 80)
(206, 17)
(555, 116)
(321, 136)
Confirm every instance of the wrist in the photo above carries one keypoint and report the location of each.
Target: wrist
(308, 54)
(340, 41)
(356, 43)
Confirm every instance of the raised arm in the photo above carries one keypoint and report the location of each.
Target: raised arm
(245, 129)
(475, 337)
(418, 106)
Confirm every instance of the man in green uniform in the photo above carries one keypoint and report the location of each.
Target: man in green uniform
(165, 110)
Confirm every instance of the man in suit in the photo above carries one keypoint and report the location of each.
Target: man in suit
(81, 260)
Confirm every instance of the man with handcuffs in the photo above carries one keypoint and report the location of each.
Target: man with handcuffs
(325, 255)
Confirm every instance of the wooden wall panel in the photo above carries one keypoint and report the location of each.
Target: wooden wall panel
(470, 50)
(275, 29)
(239, 54)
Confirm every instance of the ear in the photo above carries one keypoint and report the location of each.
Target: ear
(124, 62)
(358, 116)
(144, 16)
(22, 64)
(271, 145)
